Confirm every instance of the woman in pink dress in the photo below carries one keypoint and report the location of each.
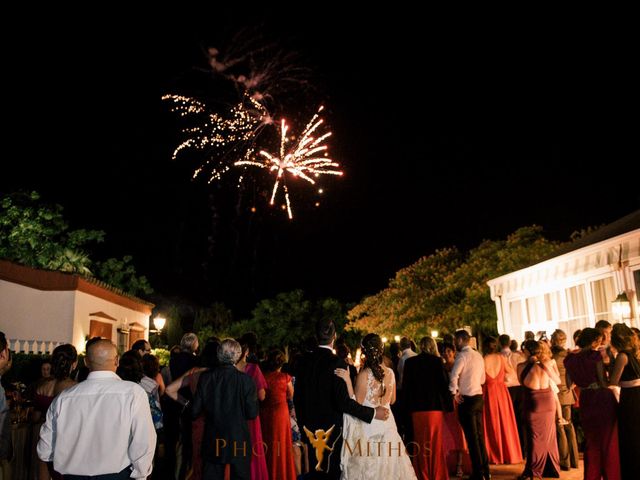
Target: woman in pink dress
(276, 424)
(258, 456)
(500, 428)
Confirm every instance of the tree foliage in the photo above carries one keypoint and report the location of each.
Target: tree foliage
(122, 274)
(174, 330)
(38, 236)
(289, 319)
(447, 290)
(213, 321)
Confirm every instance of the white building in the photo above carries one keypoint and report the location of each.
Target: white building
(40, 309)
(577, 287)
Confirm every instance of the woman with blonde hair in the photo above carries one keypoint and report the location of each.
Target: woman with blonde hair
(546, 356)
(427, 398)
(539, 408)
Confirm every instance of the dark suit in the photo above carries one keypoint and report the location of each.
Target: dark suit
(228, 399)
(177, 424)
(320, 399)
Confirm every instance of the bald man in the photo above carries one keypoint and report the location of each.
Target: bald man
(101, 426)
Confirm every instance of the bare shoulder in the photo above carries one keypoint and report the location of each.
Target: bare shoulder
(46, 387)
(622, 358)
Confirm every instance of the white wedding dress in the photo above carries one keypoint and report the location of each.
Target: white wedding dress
(373, 451)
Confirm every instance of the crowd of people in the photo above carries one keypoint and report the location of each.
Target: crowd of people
(235, 412)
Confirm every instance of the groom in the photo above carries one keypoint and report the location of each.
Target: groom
(321, 398)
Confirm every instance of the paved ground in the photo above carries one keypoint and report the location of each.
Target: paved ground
(504, 472)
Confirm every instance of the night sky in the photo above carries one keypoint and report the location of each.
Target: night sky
(450, 130)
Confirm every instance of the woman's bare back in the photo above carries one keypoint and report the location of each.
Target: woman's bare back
(369, 390)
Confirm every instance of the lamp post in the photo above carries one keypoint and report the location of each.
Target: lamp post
(621, 306)
(159, 323)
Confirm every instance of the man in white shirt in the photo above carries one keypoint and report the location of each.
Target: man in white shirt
(465, 384)
(405, 346)
(101, 426)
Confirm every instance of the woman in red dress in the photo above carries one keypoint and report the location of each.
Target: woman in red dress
(274, 416)
(426, 395)
(500, 428)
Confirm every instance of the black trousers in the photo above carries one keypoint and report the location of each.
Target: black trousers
(517, 398)
(215, 471)
(122, 475)
(470, 415)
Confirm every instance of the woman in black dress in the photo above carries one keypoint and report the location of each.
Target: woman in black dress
(626, 374)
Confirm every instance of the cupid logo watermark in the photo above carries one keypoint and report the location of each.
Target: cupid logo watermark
(319, 442)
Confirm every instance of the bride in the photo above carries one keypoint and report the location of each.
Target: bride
(373, 450)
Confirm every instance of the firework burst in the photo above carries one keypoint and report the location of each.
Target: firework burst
(219, 134)
(306, 159)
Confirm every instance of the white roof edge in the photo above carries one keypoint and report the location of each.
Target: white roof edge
(568, 255)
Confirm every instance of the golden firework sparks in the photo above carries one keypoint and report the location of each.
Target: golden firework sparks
(307, 158)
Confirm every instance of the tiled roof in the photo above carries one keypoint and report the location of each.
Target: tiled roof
(60, 281)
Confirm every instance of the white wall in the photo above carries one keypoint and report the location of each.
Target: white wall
(86, 304)
(30, 314)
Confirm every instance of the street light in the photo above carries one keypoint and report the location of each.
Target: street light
(434, 333)
(385, 339)
(159, 323)
(397, 338)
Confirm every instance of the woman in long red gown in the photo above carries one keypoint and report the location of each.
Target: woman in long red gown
(500, 428)
(276, 424)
